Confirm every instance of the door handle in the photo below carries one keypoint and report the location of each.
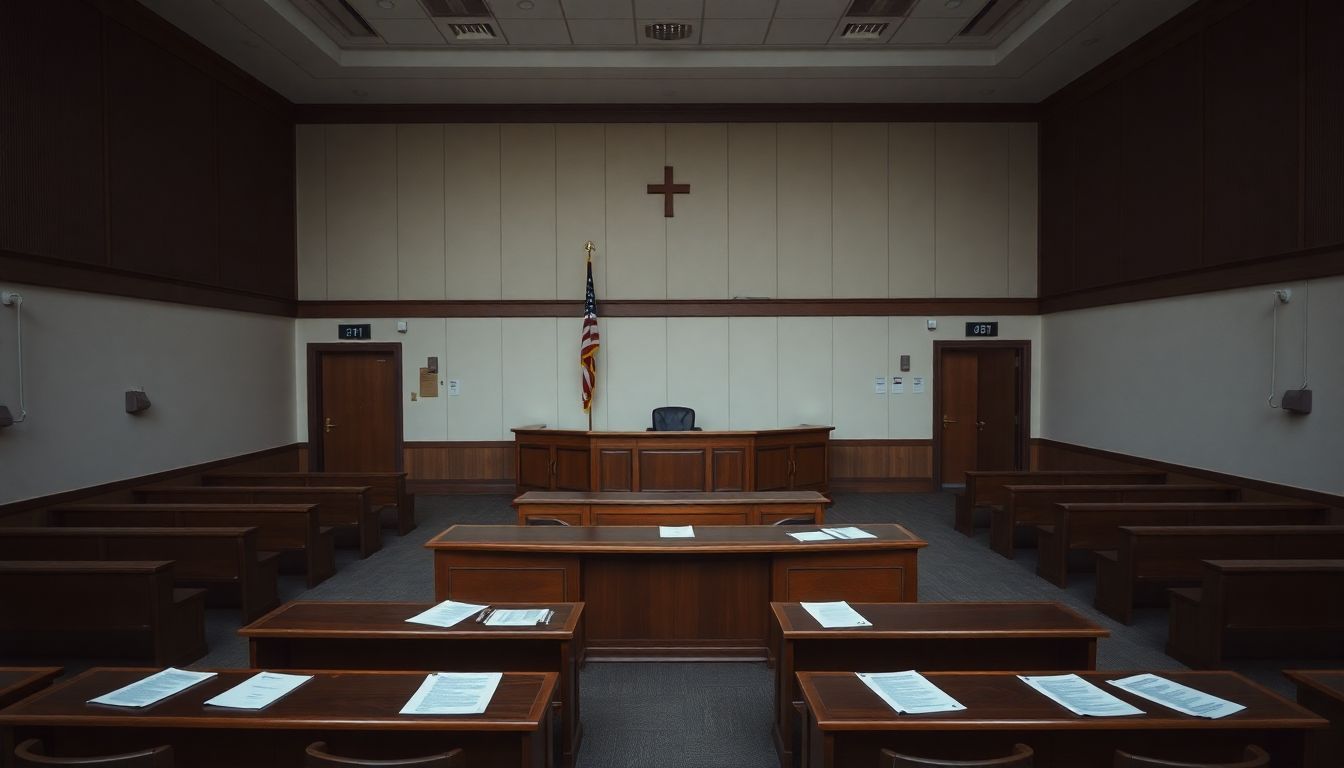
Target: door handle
(553, 467)
(947, 421)
(328, 424)
(979, 426)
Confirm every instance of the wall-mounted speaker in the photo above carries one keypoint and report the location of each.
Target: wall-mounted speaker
(136, 401)
(6, 418)
(1296, 401)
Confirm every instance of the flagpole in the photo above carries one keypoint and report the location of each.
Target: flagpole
(588, 246)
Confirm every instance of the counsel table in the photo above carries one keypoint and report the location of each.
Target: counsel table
(15, 684)
(651, 597)
(354, 712)
(849, 725)
(665, 508)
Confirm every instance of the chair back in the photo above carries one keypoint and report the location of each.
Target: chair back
(795, 521)
(1021, 757)
(319, 757)
(1253, 757)
(545, 521)
(31, 754)
(673, 418)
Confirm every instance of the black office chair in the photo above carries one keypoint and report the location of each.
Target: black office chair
(30, 754)
(673, 418)
(1020, 758)
(319, 757)
(1253, 757)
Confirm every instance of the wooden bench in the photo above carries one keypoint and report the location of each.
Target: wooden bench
(291, 529)
(986, 489)
(387, 490)
(346, 508)
(1258, 608)
(672, 508)
(1031, 505)
(100, 609)
(1092, 527)
(226, 562)
(1149, 559)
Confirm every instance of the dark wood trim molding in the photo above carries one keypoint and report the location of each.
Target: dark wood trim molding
(314, 354)
(882, 485)
(1023, 402)
(663, 113)
(671, 308)
(79, 494)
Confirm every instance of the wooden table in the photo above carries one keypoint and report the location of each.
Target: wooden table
(362, 635)
(664, 508)
(848, 724)
(17, 683)
(926, 636)
(354, 712)
(1322, 692)
(683, 599)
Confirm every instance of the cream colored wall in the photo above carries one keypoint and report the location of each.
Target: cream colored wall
(737, 373)
(220, 385)
(1186, 379)
(809, 210)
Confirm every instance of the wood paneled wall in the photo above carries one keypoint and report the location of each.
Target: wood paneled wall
(134, 154)
(1205, 156)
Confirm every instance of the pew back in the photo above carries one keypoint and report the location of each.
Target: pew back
(988, 488)
(386, 489)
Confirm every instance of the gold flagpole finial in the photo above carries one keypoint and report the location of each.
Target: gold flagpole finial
(588, 246)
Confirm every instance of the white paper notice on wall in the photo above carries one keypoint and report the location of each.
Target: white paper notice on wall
(917, 385)
(897, 385)
(454, 387)
(880, 385)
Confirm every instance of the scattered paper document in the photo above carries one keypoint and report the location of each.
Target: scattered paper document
(1079, 696)
(849, 533)
(1181, 698)
(676, 531)
(519, 617)
(153, 689)
(259, 691)
(909, 692)
(812, 536)
(446, 614)
(453, 693)
(832, 615)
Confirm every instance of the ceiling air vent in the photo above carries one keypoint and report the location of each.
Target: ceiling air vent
(668, 31)
(990, 18)
(885, 8)
(863, 31)
(472, 32)
(447, 9)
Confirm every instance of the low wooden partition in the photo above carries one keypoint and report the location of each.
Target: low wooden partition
(791, 459)
(651, 508)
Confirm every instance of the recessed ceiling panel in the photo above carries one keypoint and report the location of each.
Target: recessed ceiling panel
(399, 9)
(927, 31)
(800, 32)
(525, 9)
(734, 31)
(946, 9)
(613, 32)
(598, 9)
(739, 9)
(810, 9)
(669, 9)
(539, 32)
(407, 31)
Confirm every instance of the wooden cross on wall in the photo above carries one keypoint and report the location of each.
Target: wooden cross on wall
(667, 189)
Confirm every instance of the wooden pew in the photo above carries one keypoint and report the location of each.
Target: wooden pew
(1149, 559)
(291, 529)
(986, 489)
(1030, 505)
(387, 490)
(346, 508)
(1258, 608)
(226, 562)
(94, 608)
(1322, 692)
(1095, 527)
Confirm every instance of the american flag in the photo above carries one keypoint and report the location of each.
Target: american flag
(589, 343)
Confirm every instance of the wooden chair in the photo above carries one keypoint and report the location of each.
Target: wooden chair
(1020, 758)
(319, 757)
(795, 521)
(1254, 757)
(30, 754)
(545, 521)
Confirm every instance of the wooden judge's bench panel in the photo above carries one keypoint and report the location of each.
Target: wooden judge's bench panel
(793, 459)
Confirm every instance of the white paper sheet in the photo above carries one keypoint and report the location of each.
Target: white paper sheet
(676, 531)
(838, 614)
(1079, 696)
(446, 614)
(849, 532)
(258, 691)
(153, 689)
(812, 536)
(519, 617)
(909, 692)
(453, 693)
(1181, 698)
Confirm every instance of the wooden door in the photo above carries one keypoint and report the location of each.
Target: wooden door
(958, 382)
(996, 420)
(358, 411)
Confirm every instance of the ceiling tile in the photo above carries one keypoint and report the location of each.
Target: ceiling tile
(927, 31)
(666, 10)
(602, 32)
(938, 9)
(401, 9)
(734, 31)
(407, 31)
(535, 31)
(799, 32)
(540, 9)
(598, 9)
(692, 40)
(810, 9)
(739, 9)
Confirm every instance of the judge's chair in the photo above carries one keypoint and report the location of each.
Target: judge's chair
(31, 754)
(1254, 757)
(319, 757)
(673, 418)
(1021, 757)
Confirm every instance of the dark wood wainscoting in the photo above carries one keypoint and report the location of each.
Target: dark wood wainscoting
(882, 465)
(459, 466)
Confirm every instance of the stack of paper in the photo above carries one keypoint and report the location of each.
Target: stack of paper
(153, 689)
(832, 615)
(812, 536)
(519, 617)
(453, 693)
(909, 692)
(676, 531)
(258, 691)
(1079, 696)
(1181, 698)
(849, 532)
(446, 614)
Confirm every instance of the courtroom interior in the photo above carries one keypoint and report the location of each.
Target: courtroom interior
(672, 383)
